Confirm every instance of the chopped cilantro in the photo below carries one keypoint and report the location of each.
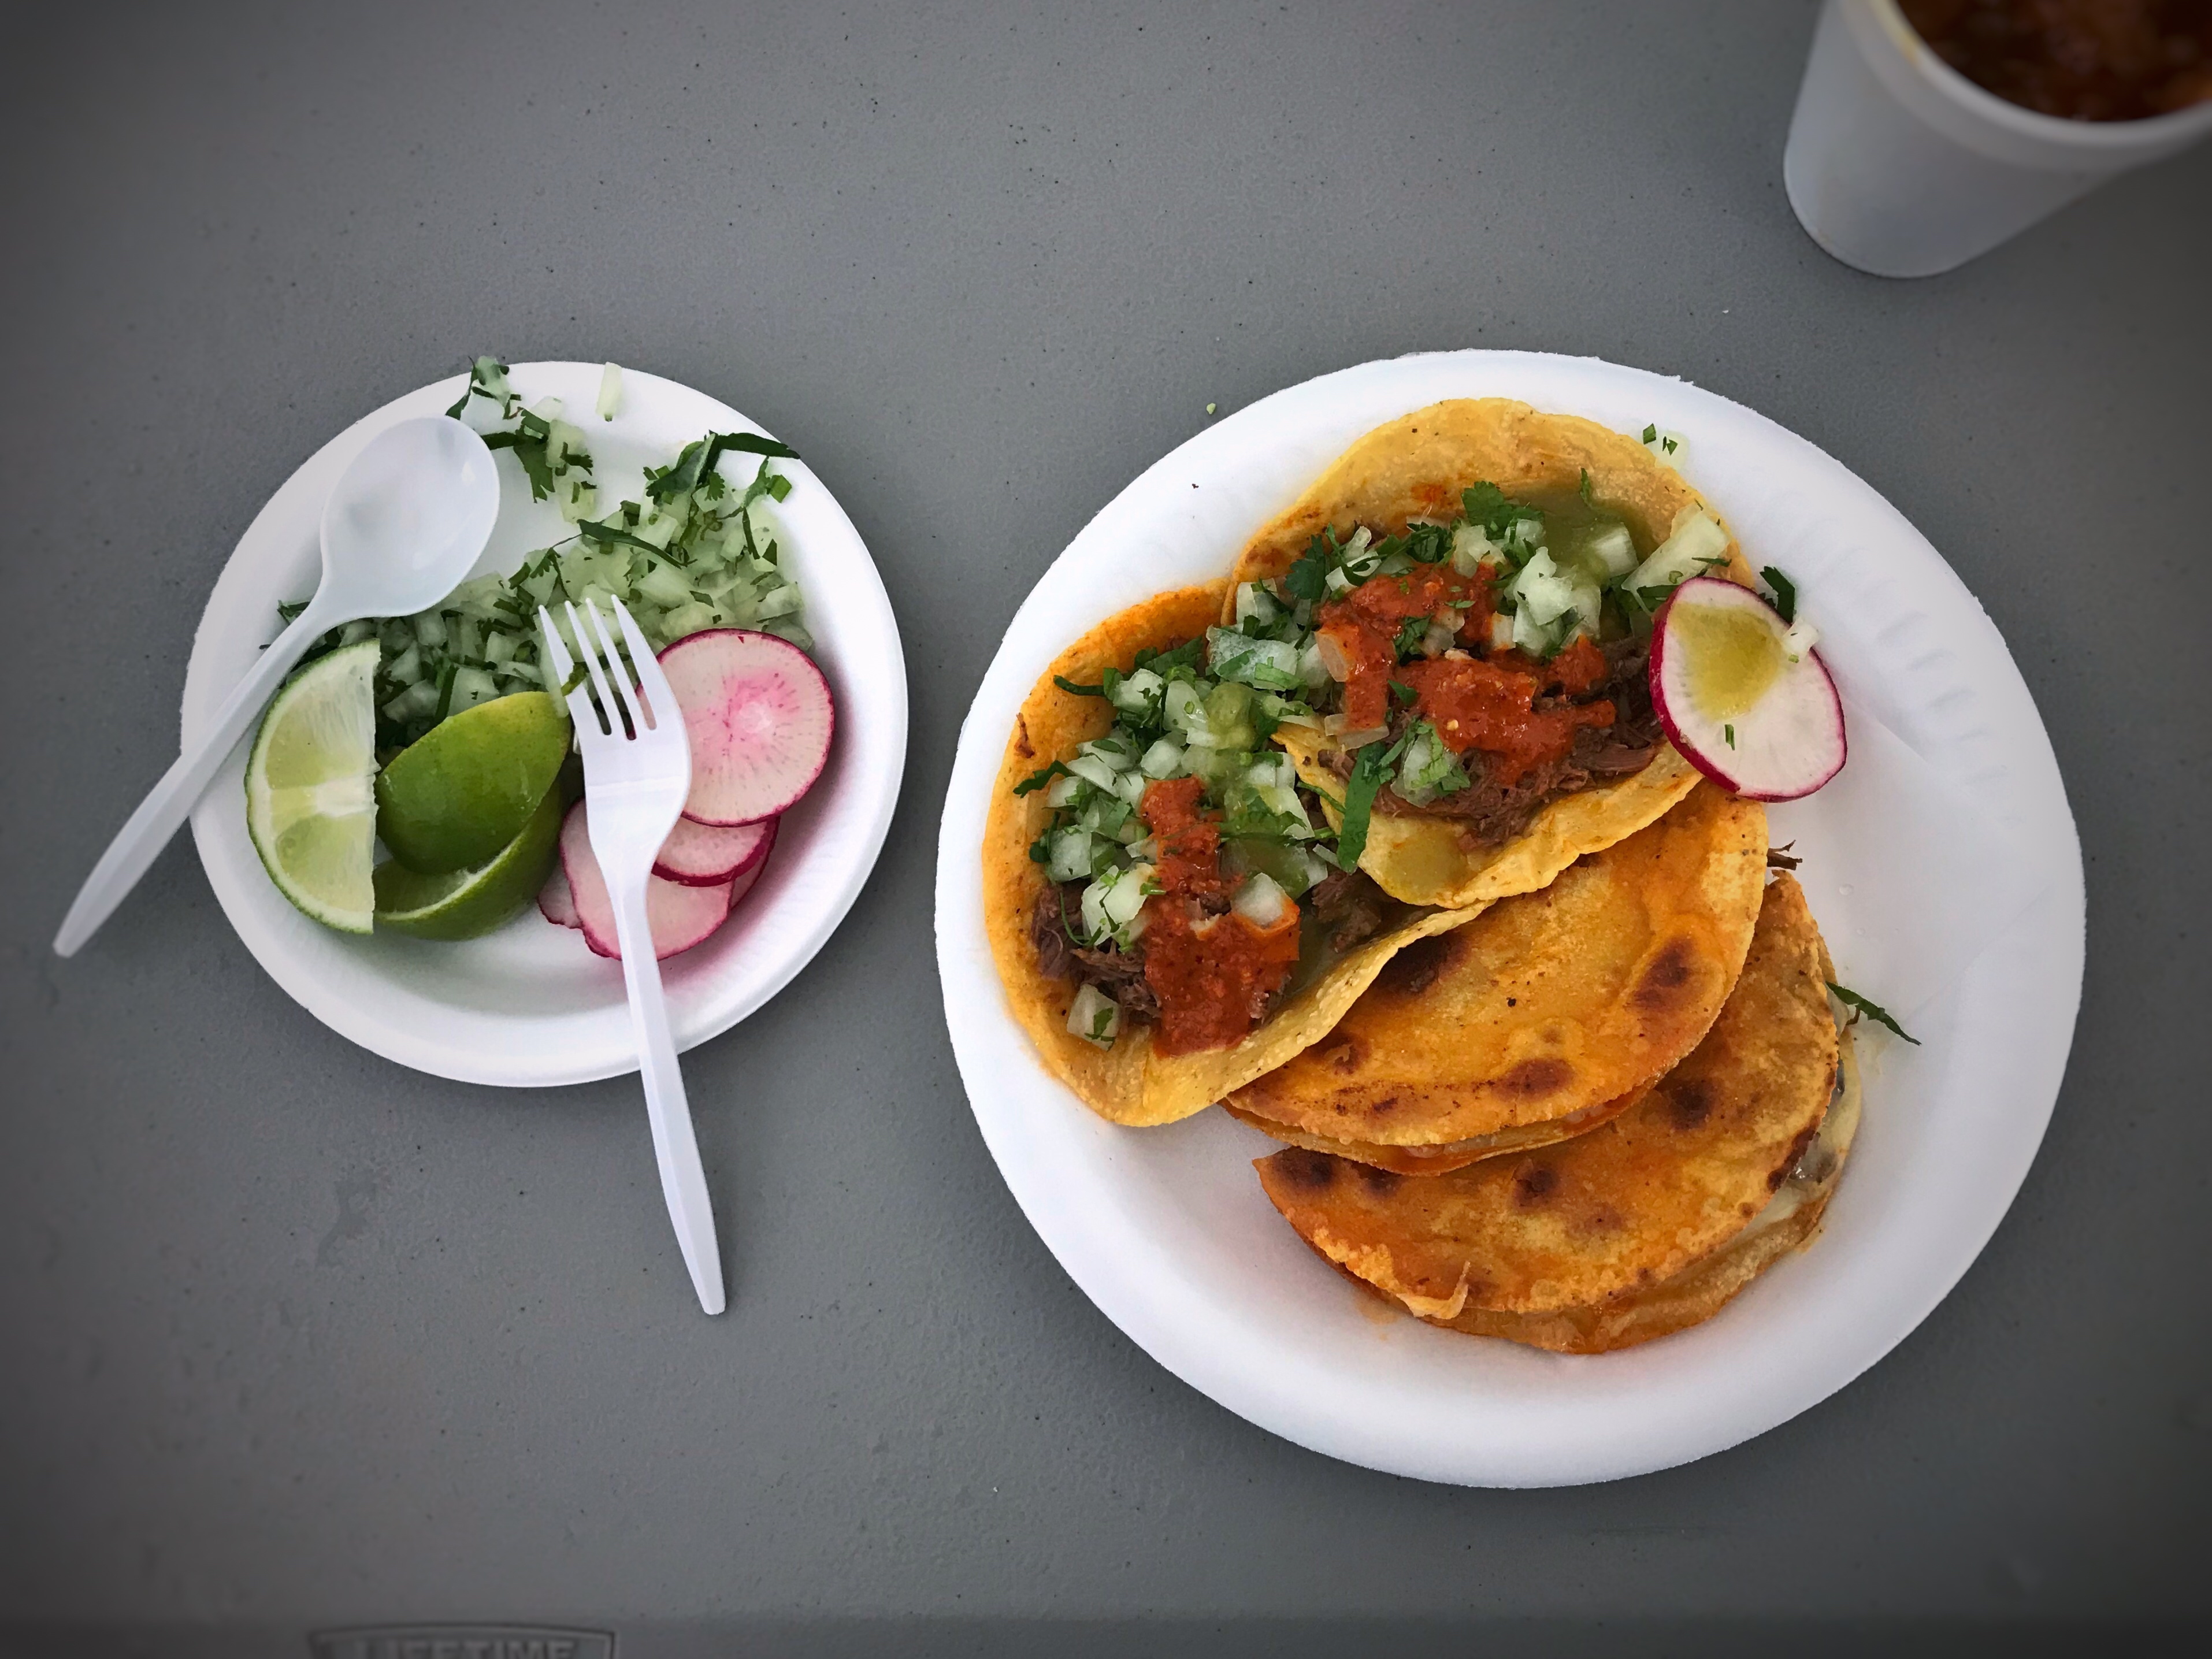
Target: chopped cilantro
(1652, 434)
(1038, 780)
(1370, 772)
(1728, 733)
(1308, 577)
(1873, 1010)
(609, 535)
(1785, 593)
(1075, 691)
(530, 450)
(1583, 488)
(1410, 632)
(698, 458)
(1102, 1023)
(1401, 692)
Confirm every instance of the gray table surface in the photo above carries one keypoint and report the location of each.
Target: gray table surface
(296, 1338)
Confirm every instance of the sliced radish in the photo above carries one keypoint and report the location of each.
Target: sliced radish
(1754, 722)
(759, 716)
(679, 917)
(711, 855)
(556, 902)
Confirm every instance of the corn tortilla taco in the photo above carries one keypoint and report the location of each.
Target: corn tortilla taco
(1568, 1231)
(1475, 583)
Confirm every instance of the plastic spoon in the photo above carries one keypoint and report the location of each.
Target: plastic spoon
(400, 531)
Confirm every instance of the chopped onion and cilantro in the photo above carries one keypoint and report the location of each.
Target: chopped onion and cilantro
(1176, 716)
(693, 555)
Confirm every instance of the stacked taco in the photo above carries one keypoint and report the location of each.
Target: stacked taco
(1380, 843)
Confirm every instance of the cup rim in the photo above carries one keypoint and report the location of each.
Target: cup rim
(2090, 136)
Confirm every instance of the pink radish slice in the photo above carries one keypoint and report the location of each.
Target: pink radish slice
(679, 917)
(759, 716)
(1755, 723)
(711, 855)
(556, 902)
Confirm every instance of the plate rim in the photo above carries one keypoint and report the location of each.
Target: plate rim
(523, 1064)
(2059, 911)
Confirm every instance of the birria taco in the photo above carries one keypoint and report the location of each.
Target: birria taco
(1634, 1229)
(1465, 599)
(1561, 1006)
(1160, 891)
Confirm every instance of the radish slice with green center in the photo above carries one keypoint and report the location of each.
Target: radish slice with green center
(679, 917)
(1756, 723)
(709, 855)
(759, 716)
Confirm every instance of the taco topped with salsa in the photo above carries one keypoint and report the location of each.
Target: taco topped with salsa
(1165, 898)
(1466, 598)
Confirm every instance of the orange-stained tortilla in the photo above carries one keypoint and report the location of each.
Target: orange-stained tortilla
(1624, 1207)
(1450, 1154)
(1547, 1004)
(1133, 1082)
(1415, 467)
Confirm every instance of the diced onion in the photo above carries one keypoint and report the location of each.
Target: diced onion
(1161, 759)
(1332, 658)
(1092, 770)
(1501, 631)
(1260, 901)
(1127, 894)
(1094, 1017)
(1070, 855)
(1801, 637)
(1696, 544)
(1613, 550)
(1352, 737)
(610, 391)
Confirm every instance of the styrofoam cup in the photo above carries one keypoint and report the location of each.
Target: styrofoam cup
(1899, 164)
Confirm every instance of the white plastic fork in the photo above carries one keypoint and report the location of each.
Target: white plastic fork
(637, 771)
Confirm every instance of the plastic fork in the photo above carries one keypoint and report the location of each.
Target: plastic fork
(637, 771)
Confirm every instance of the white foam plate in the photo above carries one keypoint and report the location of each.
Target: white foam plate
(530, 1005)
(1942, 864)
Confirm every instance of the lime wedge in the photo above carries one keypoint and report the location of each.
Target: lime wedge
(461, 792)
(465, 903)
(310, 795)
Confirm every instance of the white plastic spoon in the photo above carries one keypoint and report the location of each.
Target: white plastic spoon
(400, 532)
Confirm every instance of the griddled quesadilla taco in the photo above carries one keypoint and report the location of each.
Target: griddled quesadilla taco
(1543, 1017)
(1616, 1235)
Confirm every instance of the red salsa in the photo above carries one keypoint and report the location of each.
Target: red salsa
(1211, 973)
(1213, 976)
(1485, 706)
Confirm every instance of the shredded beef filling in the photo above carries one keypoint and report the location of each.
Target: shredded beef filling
(1119, 974)
(1489, 814)
(1345, 907)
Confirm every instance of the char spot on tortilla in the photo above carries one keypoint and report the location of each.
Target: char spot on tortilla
(1415, 968)
(1546, 1074)
(1383, 1107)
(1666, 977)
(1533, 1183)
(1315, 1172)
(1380, 1182)
(1689, 1103)
(1780, 1172)
(1022, 738)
